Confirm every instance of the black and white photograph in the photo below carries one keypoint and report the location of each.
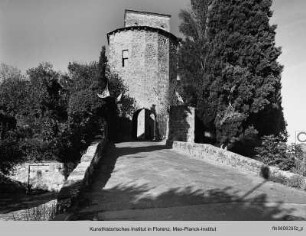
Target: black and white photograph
(153, 117)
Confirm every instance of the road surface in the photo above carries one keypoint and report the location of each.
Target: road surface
(145, 181)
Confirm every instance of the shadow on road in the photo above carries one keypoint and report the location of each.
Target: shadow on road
(141, 202)
(108, 163)
(184, 205)
(135, 150)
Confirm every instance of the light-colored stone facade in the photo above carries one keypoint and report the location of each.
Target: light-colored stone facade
(47, 176)
(155, 20)
(145, 58)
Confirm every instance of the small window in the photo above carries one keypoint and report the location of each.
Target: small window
(125, 57)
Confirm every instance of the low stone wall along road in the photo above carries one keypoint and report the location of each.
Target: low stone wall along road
(146, 181)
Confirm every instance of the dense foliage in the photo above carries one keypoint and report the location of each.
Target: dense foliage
(55, 116)
(10, 152)
(274, 151)
(40, 112)
(230, 56)
(8, 72)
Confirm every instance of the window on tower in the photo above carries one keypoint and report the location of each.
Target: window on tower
(125, 57)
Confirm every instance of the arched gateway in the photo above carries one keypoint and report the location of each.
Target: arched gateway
(144, 125)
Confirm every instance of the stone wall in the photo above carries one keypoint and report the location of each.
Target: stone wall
(223, 157)
(47, 176)
(147, 71)
(82, 176)
(182, 124)
(135, 18)
(42, 212)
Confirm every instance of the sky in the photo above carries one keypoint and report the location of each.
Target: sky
(63, 31)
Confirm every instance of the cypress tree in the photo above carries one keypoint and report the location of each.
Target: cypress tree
(239, 94)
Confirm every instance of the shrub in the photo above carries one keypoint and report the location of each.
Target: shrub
(278, 179)
(56, 115)
(85, 113)
(274, 152)
(10, 152)
(296, 182)
(300, 159)
(300, 167)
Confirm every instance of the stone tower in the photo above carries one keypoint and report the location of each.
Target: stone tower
(144, 54)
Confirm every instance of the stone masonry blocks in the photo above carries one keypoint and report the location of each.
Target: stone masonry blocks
(135, 18)
(147, 71)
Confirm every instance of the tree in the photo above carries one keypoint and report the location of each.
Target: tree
(13, 92)
(274, 151)
(240, 84)
(193, 64)
(44, 92)
(194, 48)
(43, 114)
(53, 116)
(10, 152)
(103, 70)
(9, 72)
(81, 76)
(86, 110)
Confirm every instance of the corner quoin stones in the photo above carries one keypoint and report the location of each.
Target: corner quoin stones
(144, 55)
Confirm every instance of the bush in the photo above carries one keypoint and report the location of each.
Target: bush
(300, 167)
(296, 182)
(86, 115)
(278, 179)
(300, 159)
(10, 152)
(274, 152)
(57, 116)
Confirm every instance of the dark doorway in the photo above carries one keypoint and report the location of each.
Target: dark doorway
(144, 125)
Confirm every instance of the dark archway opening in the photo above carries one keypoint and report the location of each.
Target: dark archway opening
(144, 125)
